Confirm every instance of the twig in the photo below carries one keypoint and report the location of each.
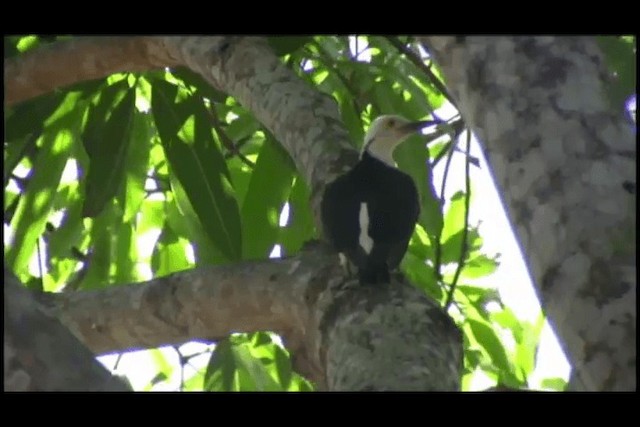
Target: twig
(418, 62)
(224, 138)
(465, 229)
(438, 250)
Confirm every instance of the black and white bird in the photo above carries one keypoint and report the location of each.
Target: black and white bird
(369, 213)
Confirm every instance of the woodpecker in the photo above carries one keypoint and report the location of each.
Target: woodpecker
(369, 213)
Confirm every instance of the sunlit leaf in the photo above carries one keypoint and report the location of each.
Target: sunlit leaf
(268, 190)
(107, 152)
(556, 383)
(34, 206)
(198, 164)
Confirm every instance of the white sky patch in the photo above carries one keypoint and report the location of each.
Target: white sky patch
(276, 252)
(360, 49)
(284, 215)
(70, 172)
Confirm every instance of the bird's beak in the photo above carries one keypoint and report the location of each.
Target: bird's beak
(417, 126)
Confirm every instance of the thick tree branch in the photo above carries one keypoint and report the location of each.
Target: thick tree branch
(561, 154)
(64, 63)
(324, 322)
(40, 354)
(202, 304)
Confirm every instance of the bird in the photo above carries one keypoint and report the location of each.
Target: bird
(369, 213)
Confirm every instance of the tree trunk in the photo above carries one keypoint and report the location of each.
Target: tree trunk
(565, 161)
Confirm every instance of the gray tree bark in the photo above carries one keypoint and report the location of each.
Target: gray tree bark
(39, 352)
(343, 337)
(565, 161)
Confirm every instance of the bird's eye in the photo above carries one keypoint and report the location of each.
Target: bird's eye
(391, 123)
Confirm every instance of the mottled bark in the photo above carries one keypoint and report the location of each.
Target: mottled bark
(40, 354)
(565, 161)
(57, 65)
(389, 338)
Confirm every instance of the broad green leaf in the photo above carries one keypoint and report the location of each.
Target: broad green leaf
(203, 87)
(283, 45)
(221, 369)
(136, 166)
(527, 346)
(70, 234)
(108, 156)
(422, 275)
(27, 118)
(35, 204)
(152, 216)
(182, 219)
(243, 127)
(479, 266)
(412, 157)
(126, 254)
(300, 226)
(98, 114)
(102, 246)
(620, 57)
(198, 164)
(169, 254)
(268, 190)
(454, 216)
(452, 246)
(350, 115)
(240, 173)
(487, 338)
(420, 245)
(556, 383)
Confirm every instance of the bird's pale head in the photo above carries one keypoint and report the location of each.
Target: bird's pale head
(386, 132)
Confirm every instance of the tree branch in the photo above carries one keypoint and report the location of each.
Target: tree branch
(80, 59)
(40, 354)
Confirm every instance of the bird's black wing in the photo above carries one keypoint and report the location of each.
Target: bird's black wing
(339, 209)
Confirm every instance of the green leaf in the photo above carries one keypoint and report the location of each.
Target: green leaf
(620, 57)
(125, 254)
(240, 173)
(413, 158)
(136, 167)
(100, 254)
(489, 340)
(98, 113)
(555, 383)
(29, 220)
(27, 118)
(283, 45)
(421, 274)
(300, 226)
(169, 254)
(152, 216)
(108, 155)
(198, 164)
(420, 245)
(204, 88)
(479, 266)
(268, 190)
(181, 217)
